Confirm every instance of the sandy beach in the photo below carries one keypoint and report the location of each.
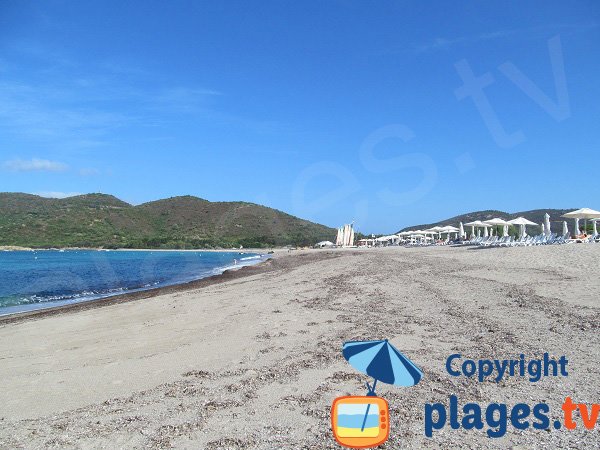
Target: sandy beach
(253, 360)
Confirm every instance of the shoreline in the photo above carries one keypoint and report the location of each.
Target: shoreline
(16, 248)
(226, 275)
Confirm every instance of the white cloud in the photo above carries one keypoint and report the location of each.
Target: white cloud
(34, 164)
(54, 194)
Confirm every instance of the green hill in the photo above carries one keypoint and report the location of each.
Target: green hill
(99, 220)
(535, 215)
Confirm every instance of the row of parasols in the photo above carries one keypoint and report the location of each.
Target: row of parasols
(488, 226)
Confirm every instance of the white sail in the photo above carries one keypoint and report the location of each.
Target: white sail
(345, 236)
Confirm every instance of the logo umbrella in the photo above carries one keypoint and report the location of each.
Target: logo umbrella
(382, 361)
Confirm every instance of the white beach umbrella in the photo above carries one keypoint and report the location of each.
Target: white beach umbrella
(595, 230)
(522, 222)
(485, 231)
(449, 229)
(496, 221)
(417, 234)
(565, 228)
(577, 226)
(583, 213)
(461, 230)
(547, 224)
(475, 224)
(433, 230)
(436, 230)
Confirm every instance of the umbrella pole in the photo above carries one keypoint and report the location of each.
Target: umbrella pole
(371, 393)
(371, 390)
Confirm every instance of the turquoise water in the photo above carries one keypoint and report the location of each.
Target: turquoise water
(42, 279)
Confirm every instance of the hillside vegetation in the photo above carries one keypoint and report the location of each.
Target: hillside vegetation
(99, 220)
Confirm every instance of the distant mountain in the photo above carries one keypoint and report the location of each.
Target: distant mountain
(535, 215)
(100, 220)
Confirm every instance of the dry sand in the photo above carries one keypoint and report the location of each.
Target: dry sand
(254, 361)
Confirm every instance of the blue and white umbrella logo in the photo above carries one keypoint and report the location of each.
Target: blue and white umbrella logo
(382, 361)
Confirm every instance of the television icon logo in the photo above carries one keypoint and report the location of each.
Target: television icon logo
(360, 422)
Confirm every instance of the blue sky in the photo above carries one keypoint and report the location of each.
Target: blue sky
(388, 114)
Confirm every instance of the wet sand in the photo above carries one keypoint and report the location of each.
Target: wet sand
(253, 359)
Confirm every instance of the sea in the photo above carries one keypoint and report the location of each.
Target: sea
(31, 280)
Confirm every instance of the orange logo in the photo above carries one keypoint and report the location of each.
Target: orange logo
(360, 422)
